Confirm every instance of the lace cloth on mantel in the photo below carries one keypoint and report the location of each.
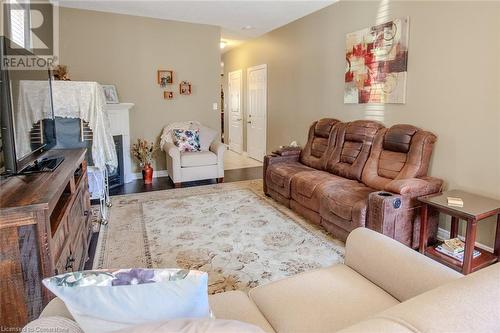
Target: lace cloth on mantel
(97, 182)
(71, 99)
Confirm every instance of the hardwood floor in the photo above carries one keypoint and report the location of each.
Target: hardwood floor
(164, 183)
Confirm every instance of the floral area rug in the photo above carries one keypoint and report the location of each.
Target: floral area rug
(232, 231)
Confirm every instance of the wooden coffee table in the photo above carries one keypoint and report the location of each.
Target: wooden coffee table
(475, 209)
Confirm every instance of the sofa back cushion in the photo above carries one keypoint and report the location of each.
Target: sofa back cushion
(207, 136)
(468, 304)
(352, 148)
(400, 152)
(322, 134)
(400, 271)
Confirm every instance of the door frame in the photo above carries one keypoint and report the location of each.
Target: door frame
(240, 72)
(247, 108)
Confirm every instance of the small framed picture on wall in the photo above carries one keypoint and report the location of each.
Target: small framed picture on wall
(110, 94)
(185, 88)
(165, 77)
(168, 94)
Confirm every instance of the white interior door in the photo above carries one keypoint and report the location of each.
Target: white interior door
(257, 112)
(235, 111)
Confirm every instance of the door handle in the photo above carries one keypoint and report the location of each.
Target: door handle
(239, 119)
(249, 122)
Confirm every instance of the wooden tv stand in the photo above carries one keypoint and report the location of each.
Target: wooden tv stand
(45, 230)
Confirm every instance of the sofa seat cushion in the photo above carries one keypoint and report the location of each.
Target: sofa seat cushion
(323, 300)
(305, 187)
(235, 305)
(198, 158)
(348, 201)
(279, 176)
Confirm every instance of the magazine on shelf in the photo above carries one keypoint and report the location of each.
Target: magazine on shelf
(453, 245)
(458, 256)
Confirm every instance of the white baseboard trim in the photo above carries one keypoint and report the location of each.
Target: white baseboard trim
(156, 174)
(443, 234)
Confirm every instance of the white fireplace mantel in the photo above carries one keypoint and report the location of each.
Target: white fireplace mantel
(119, 123)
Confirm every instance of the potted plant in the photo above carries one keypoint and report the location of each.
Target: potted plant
(143, 152)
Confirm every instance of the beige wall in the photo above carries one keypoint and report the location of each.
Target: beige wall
(127, 51)
(453, 84)
(1, 15)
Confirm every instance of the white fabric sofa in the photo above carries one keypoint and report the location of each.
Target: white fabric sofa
(191, 166)
(382, 287)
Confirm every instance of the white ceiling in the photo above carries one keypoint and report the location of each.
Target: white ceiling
(231, 15)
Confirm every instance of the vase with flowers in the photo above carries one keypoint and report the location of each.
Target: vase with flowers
(144, 152)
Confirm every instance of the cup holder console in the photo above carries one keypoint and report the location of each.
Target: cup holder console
(396, 202)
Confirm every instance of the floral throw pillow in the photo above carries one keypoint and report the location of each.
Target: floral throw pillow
(187, 140)
(110, 300)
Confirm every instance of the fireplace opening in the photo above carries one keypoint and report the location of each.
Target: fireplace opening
(76, 133)
(116, 177)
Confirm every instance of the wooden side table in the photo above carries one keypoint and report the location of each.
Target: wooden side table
(475, 209)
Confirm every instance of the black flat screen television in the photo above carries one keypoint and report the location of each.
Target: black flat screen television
(26, 114)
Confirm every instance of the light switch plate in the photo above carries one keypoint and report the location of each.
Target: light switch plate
(215, 106)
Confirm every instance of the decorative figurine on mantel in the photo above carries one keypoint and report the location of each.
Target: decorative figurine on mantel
(144, 152)
(60, 72)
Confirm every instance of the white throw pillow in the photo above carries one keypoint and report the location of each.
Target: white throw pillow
(195, 326)
(207, 136)
(109, 300)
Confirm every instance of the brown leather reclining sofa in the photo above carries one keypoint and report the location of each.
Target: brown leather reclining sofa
(357, 174)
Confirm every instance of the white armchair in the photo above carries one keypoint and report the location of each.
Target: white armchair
(190, 166)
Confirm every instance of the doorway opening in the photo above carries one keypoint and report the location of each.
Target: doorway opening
(222, 107)
(235, 109)
(256, 131)
(246, 111)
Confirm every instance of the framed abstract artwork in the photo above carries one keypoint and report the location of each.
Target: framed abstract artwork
(377, 63)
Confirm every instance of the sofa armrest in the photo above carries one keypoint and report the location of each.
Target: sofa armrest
(172, 150)
(273, 159)
(399, 270)
(56, 308)
(415, 187)
(394, 212)
(53, 324)
(173, 162)
(218, 148)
